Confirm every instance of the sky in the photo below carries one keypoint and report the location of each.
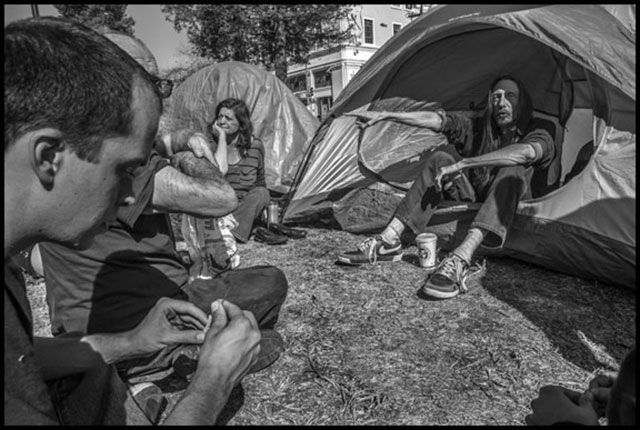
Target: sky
(151, 27)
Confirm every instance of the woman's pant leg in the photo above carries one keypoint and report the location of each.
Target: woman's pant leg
(249, 209)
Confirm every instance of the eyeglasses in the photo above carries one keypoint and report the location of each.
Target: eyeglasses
(165, 86)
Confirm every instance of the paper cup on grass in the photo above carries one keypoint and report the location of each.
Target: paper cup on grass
(426, 243)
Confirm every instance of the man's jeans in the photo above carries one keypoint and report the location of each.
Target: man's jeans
(500, 197)
(250, 207)
(259, 289)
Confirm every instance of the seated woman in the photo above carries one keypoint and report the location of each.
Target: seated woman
(240, 157)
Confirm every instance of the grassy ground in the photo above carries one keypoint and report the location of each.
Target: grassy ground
(363, 349)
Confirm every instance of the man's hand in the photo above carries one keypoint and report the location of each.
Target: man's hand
(230, 348)
(446, 175)
(169, 322)
(557, 404)
(366, 118)
(231, 345)
(199, 145)
(600, 388)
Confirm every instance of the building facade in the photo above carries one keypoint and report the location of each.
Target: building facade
(319, 82)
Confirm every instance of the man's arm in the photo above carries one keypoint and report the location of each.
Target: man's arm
(425, 119)
(517, 154)
(65, 355)
(196, 187)
(58, 357)
(169, 322)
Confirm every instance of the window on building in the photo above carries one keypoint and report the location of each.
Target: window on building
(322, 78)
(297, 83)
(368, 31)
(396, 28)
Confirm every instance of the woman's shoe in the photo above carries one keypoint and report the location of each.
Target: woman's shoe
(293, 233)
(263, 235)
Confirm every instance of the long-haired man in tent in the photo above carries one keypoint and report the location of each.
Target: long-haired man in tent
(498, 158)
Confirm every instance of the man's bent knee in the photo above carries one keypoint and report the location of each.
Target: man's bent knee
(279, 284)
(273, 281)
(441, 158)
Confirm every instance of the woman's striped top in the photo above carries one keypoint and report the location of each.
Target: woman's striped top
(248, 173)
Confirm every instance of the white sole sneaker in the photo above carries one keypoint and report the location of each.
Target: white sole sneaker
(347, 260)
(439, 294)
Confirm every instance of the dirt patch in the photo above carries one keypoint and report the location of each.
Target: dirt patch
(363, 349)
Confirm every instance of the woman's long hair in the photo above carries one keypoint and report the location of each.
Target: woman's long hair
(522, 114)
(245, 129)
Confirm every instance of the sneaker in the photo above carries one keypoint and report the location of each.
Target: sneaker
(293, 233)
(271, 347)
(372, 250)
(450, 277)
(264, 235)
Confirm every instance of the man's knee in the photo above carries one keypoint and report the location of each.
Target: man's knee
(272, 280)
(434, 161)
(279, 283)
(438, 159)
(510, 180)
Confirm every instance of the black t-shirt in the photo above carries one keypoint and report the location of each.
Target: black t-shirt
(465, 133)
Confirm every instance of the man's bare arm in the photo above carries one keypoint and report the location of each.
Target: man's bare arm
(62, 356)
(517, 154)
(195, 187)
(425, 119)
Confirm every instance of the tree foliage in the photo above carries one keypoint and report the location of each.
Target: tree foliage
(99, 16)
(272, 34)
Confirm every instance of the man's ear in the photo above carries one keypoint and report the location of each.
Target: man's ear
(45, 153)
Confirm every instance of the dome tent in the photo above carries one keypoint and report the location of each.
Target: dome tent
(135, 48)
(280, 120)
(578, 61)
